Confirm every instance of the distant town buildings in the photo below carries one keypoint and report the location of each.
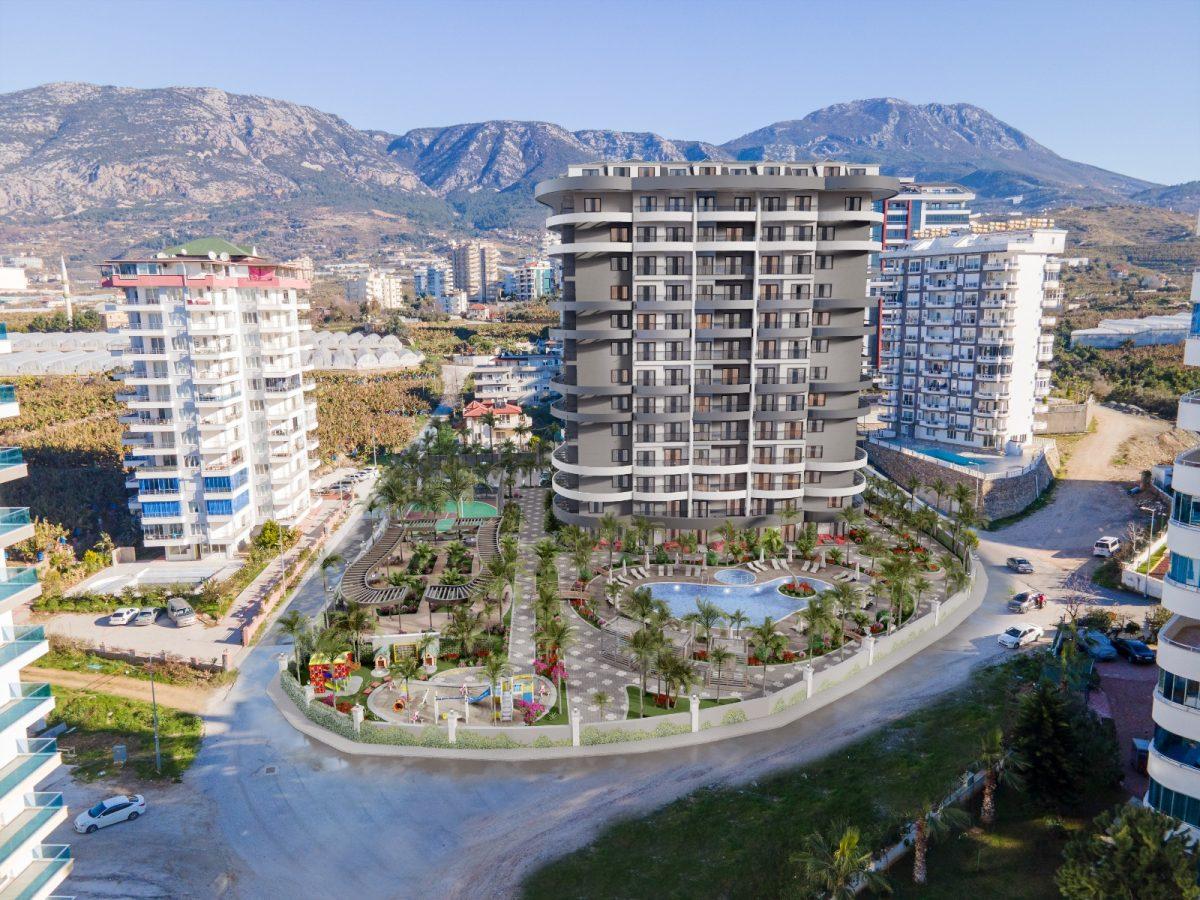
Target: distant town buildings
(476, 269)
(453, 303)
(219, 419)
(532, 279)
(963, 349)
(924, 207)
(433, 280)
(20, 261)
(491, 423)
(303, 267)
(376, 286)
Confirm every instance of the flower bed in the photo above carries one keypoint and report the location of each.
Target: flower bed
(797, 588)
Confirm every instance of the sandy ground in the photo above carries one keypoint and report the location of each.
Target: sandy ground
(265, 812)
(185, 697)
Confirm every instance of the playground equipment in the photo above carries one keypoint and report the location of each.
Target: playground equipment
(333, 671)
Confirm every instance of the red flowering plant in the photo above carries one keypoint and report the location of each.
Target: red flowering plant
(531, 710)
(553, 669)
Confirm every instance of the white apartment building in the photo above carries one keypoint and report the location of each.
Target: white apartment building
(28, 868)
(220, 419)
(476, 269)
(1174, 762)
(924, 207)
(532, 279)
(521, 378)
(962, 348)
(434, 280)
(376, 286)
(453, 303)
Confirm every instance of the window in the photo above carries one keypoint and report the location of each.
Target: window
(821, 345)
(618, 320)
(812, 477)
(620, 482)
(822, 318)
(824, 290)
(814, 451)
(619, 429)
(227, 483)
(835, 502)
(816, 426)
(619, 234)
(619, 263)
(618, 348)
(647, 234)
(161, 510)
(645, 171)
(824, 261)
(619, 376)
(816, 399)
(618, 292)
(853, 204)
(619, 404)
(772, 204)
(591, 204)
(227, 507)
(621, 171)
(620, 456)
(802, 202)
(826, 233)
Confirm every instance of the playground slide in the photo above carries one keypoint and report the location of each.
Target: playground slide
(478, 698)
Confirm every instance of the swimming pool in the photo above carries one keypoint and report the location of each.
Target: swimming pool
(734, 576)
(949, 456)
(755, 600)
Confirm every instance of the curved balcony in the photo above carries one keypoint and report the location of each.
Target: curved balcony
(651, 216)
(1189, 411)
(845, 302)
(1186, 478)
(849, 246)
(566, 485)
(800, 216)
(590, 219)
(820, 490)
(589, 390)
(859, 461)
(829, 413)
(591, 305)
(1178, 719)
(1174, 775)
(841, 331)
(1179, 648)
(559, 411)
(781, 493)
(847, 216)
(1179, 598)
(841, 387)
(779, 415)
(565, 461)
(591, 248)
(714, 388)
(590, 333)
(781, 387)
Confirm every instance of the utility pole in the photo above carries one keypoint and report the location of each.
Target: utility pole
(154, 708)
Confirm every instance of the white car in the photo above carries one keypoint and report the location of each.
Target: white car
(146, 616)
(123, 615)
(1106, 546)
(109, 812)
(1020, 635)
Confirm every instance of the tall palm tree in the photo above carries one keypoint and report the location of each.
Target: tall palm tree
(956, 577)
(719, 657)
(913, 484)
(296, 626)
(465, 628)
(816, 616)
(493, 670)
(873, 548)
(846, 599)
(489, 419)
(559, 636)
(1000, 766)
(772, 542)
(609, 527)
(644, 644)
(328, 563)
(356, 621)
(932, 823)
(961, 494)
(408, 667)
(767, 642)
(939, 488)
(706, 617)
(737, 619)
(920, 584)
(836, 865)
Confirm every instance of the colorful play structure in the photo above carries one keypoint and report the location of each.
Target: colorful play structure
(328, 671)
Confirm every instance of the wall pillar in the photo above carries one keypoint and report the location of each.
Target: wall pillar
(869, 643)
(809, 672)
(695, 713)
(575, 719)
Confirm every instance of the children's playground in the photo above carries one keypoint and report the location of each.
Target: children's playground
(465, 692)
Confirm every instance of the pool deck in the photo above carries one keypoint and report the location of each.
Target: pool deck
(983, 463)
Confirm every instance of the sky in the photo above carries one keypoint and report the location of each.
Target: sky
(1107, 82)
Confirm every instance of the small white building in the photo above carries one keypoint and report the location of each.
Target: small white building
(1144, 332)
(454, 303)
(376, 286)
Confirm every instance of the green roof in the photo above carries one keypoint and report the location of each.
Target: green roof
(205, 246)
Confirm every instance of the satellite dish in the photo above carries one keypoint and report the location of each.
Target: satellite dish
(212, 254)
(160, 255)
(224, 257)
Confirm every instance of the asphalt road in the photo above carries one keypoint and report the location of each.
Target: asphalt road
(266, 812)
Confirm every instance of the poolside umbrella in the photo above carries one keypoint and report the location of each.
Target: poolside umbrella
(760, 554)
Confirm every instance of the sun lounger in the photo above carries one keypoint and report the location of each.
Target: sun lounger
(778, 564)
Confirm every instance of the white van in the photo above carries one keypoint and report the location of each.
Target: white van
(1106, 546)
(180, 613)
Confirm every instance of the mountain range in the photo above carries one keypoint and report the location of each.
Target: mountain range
(71, 151)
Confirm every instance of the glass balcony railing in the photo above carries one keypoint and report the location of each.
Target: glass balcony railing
(12, 518)
(11, 456)
(49, 861)
(8, 393)
(15, 579)
(31, 755)
(3, 332)
(24, 698)
(39, 809)
(15, 641)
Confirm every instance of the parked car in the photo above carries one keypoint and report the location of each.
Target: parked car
(109, 812)
(1020, 564)
(1133, 650)
(1096, 644)
(1027, 600)
(1106, 546)
(1020, 635)
(122, 616)
(180, 613)
(146, 616)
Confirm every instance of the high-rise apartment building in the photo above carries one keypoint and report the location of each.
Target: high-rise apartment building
(712, 325)
(220, 418)
(1174, 762)
(963, 349)
(476, 269)
(376, 286)
(924, 207)
(433, 280)
(28, 868)
(532, 279)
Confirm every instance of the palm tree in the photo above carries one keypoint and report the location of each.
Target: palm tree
(956, 577)
(873, 548)
(501, 574)
(706, 617)
(356, 621)
(493, 670)
(835, 865)
(920, 585)
(806, 540)
(682, 678)
(1000, 766)
(816, 616)
(408, 667)
(772, 542)
(460, 484)
(913, 484)
(737, 619)
(644, 644)
(489, 419)
(932, 823)
(296, 626)
(559, 636)
(640, 604)
(939, 488)
(961, 494)
(465, 628)
(719, 657)
(610, 529)
(767, 642)
(846, 598)
(328, 563)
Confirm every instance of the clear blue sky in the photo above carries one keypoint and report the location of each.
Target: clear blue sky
(1108, 82)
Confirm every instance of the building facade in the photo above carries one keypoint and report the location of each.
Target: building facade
(28, 867)
(476, 269)
(712, 323)
(433, 280)
(533, 279)
(964, 354)
(924, 207)
(376, 286)
(1174, 761)
(491, 423)
(518, 378)
(220, 416)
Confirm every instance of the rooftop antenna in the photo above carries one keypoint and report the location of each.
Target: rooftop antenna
(66, 288)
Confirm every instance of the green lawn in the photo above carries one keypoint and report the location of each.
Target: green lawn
(98, 721)
(553, 716)
(682, 704)
(1017, 857)
(734, 842)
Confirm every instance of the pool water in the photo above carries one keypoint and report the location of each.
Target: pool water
(755, 600)
(734, 576)
(949, 456)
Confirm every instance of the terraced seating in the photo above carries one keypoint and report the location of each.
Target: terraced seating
(487, 546)
(354, 585)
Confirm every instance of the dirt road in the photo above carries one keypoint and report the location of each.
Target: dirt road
(189, 699)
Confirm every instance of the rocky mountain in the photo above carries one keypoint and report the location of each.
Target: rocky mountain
(80, 152)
